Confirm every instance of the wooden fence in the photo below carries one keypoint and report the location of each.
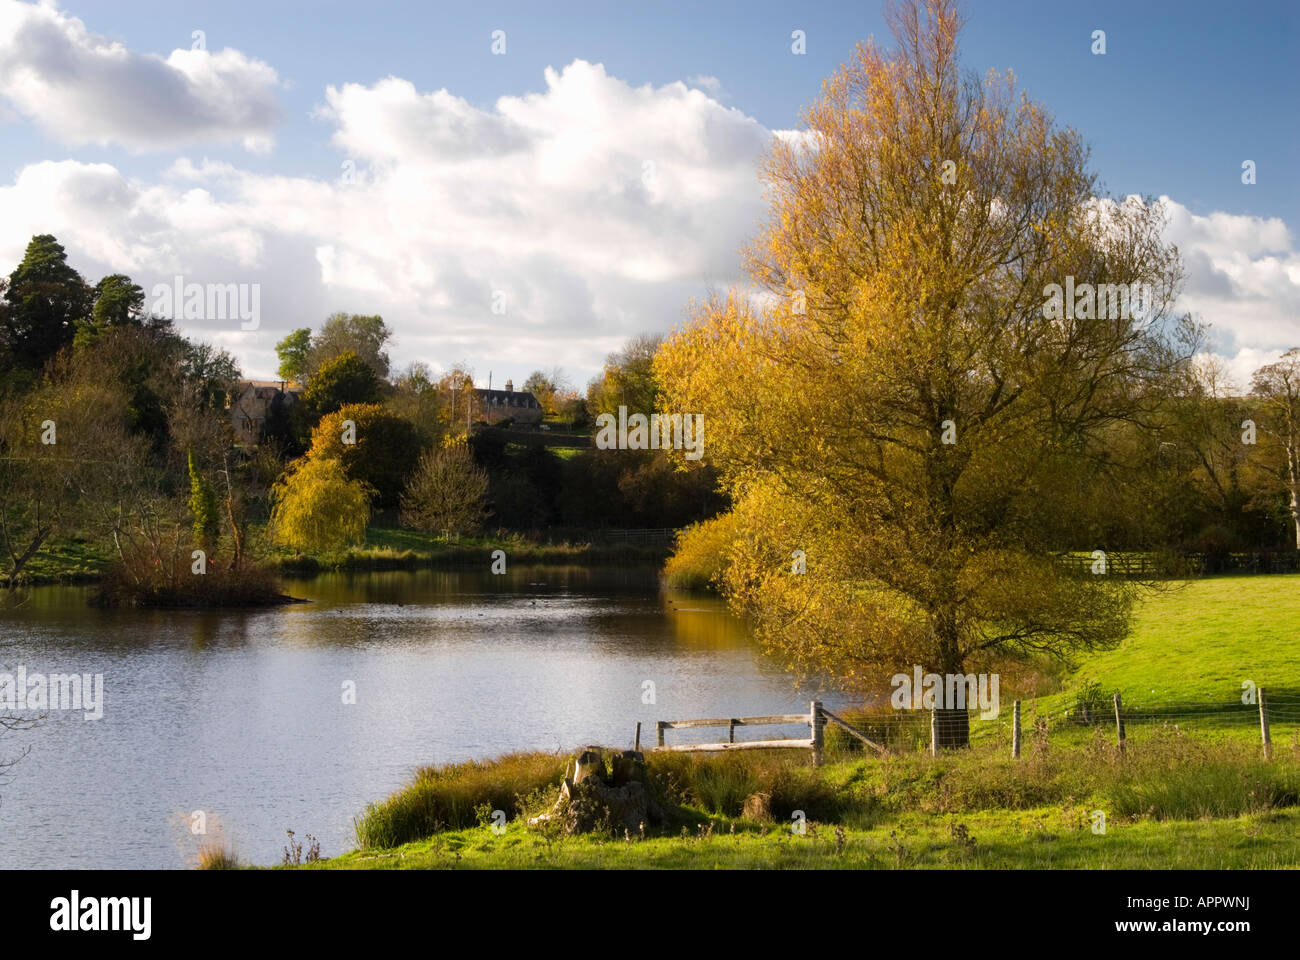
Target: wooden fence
(1142, 566)
(1262, 702)
(650, 536)
(816, 718)
(657, 536)
(1262, 712)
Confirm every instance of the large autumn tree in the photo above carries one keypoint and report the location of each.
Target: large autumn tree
(900, 406)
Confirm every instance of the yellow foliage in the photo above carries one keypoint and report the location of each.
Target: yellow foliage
(327, 435)
(702, 553)
(899, 407)
(318, 508)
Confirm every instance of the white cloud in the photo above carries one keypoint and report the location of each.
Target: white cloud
(85, 88)
(1243, 278)
(598, 208)
(711, 85)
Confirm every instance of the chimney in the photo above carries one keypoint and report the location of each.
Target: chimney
(510, 387)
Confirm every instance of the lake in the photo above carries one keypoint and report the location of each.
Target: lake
(244, 715)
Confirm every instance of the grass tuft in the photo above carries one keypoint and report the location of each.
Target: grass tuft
(217, 857)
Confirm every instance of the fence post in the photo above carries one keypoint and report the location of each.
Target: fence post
(1119, 724)
(636, 744)
(934, 733)
(731, 731)
(659, 729)
(1263, 727)
(818, 723)
(1015, 731)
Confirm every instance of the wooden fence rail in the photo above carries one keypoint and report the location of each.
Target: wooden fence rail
(853, 731)
(816, 718)
(813, 718)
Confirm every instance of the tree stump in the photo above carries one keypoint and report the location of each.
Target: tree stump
(628, 768)
(593, 800)
(591, 762)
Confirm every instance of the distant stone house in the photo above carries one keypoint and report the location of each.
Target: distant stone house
(254, 401)
(517, 405)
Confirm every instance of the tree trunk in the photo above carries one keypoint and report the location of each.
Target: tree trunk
(1293, 476)
(951, 724)
(21, 561)
(589, 802)
(237, 560)
(952, 728)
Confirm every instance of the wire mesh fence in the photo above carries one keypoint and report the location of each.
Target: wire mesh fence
(1020, 726)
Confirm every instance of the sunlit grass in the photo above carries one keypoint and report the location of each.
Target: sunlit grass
(1039, 838)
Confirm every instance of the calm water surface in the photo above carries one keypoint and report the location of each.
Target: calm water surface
(241, 714)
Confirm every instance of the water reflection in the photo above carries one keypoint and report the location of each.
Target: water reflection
(242, 714)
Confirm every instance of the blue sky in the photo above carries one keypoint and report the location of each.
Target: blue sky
(1184, 93)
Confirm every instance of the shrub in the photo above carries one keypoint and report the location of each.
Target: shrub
(720, 784)
(250, 586)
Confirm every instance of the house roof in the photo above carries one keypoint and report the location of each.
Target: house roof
(504, 394)
(280, 386)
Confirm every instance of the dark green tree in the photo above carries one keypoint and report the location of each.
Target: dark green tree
(46, 301)
(210, 372)
(344, 379)
(118, 302)
(381, 450)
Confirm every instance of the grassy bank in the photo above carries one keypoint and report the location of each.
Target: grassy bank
(1191, 789)
(66, 560)
(79, 560)
(1198, 640)
(392, 549)
(1179, 801)
(1183, 665)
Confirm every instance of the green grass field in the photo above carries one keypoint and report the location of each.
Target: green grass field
(1173, 801)
(1198, 640)
(1192, 647)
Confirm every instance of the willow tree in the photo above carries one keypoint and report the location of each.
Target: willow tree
(316, 506)
(901, 413)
